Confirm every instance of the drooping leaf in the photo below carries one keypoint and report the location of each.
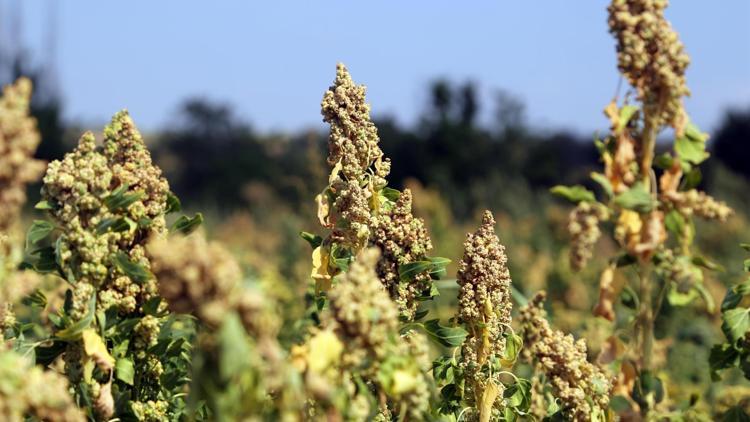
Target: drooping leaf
(96, 349)
(734, 296)
(444, 336)
(574, 194)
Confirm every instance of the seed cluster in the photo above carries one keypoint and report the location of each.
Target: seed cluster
(582, 388)
(107, 202)
(694, 202)
(651, 56)
(484, 303)
(28, 390)
(366, 320)
(353, 204)
(18, 142)
(195, 276)
(402, 239)
(583, 226)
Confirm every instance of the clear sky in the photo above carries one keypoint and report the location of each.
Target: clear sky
(272, 59)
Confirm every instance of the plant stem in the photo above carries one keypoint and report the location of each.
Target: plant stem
(645, 326)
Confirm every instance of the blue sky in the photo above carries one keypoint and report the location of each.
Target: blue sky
(272, 60)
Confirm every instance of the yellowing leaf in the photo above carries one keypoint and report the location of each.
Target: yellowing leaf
(95, 349)
(323, 209)
(319, 273)
(488, 401)
(404, 381)
(324, 350)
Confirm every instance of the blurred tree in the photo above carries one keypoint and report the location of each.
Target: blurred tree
(731, 144)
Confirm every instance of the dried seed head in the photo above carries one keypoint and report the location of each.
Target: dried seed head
(402, 238)
(583, 226)
(582, 388)
(651, 56)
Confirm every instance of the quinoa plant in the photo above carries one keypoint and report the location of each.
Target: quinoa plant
(123, 351)
(649, 200)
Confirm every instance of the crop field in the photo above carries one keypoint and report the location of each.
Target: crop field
(375, 274)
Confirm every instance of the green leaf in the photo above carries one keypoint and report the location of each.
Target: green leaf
(119, 199)
(574, 194)
(390, 194)
(706, 263)
(173, 203)
(745, 246)
(433, 266)
(675, 223)
(45, 205)
(722, 356)
(518, 395)
(125, 370)
(39, 230)
(233, 346)
(626, 114)
(513, 345)
(42, 261)
(445, 336)
(36, 298)
(74, 331)
(603, 182)
(736, 323)
(313, 239)
(648, 390)
(135, 271)
(187, 225)
(45, 355)
(637, 198)
(664, 161)
(691, 150)
(735, 295)
(735, 414)
(692, 179)
(116, 225)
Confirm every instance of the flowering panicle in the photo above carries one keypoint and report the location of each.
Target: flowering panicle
(582, 388)
(583, 226)
(402, 239)
(106, 202)
(358, 207)
(484, 308)
(651, 56)
(19, 139)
